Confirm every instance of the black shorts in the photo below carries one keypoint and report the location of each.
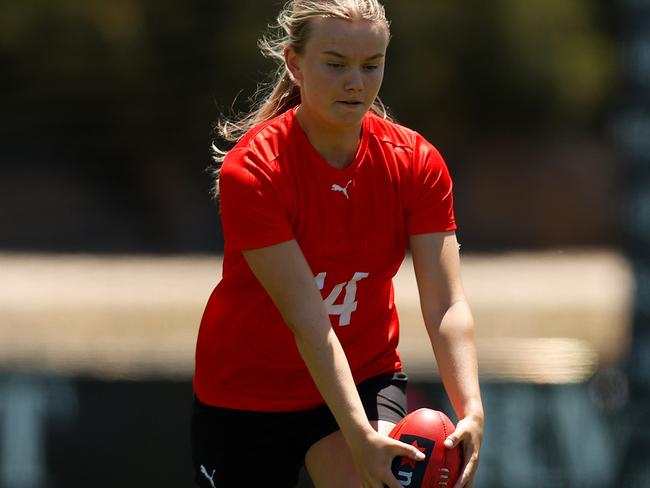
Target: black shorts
(243, 448)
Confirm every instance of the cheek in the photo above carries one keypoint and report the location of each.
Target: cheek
(315, 77)
(324, 77)
(375, 80)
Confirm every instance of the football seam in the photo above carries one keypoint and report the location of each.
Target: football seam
(444, 433)
(444, 427)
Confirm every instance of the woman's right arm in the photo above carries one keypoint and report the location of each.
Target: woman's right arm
(285, 275)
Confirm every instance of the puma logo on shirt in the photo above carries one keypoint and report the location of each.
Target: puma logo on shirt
(342, 189)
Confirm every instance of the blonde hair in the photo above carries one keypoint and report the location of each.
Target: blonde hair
(281, 94)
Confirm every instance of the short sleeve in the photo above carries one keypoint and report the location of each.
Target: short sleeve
(252, 212)
(431, 205)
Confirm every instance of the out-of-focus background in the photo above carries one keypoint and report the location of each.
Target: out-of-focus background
(110, 242)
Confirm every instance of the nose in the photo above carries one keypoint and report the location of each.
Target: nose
(354, 80)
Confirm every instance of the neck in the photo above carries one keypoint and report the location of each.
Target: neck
(336, 145)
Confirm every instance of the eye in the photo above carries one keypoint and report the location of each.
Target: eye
(334, 65)
(371, 67)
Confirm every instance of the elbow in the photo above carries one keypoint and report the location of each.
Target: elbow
(456, 319)
(308, 328)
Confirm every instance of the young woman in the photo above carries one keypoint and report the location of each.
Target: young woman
(296, 360)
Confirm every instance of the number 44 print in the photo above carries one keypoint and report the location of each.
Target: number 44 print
(343, 310)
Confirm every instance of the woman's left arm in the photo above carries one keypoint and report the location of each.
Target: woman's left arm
(450, 326)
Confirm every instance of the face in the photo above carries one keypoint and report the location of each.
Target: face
(340, 70)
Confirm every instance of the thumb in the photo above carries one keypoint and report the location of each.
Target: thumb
(453, 439)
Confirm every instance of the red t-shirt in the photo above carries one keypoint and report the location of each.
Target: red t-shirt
(352, 225)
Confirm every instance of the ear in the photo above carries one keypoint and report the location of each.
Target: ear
(292, 61)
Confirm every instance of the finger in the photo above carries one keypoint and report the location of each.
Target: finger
(462, 477)
(470, 483)
(468, 471)
(392, 484)
(379, 484)
(391, 481)
(372, 484)
(409, 451)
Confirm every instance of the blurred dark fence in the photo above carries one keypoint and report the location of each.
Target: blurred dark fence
(108, 107)
(80, 432)
(631, 129)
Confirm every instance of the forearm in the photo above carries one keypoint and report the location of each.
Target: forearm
(328, 366)
(372, 453)
(452, 336)
(285, 275)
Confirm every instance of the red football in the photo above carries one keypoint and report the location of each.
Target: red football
(427, 430)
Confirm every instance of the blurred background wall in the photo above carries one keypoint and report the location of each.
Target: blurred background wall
(108, 109)
(541, 109)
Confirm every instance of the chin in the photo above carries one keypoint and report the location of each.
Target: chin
(349, 118)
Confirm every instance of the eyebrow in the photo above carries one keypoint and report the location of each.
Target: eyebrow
(339, 55)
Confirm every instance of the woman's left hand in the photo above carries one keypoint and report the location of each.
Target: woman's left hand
(469, 433)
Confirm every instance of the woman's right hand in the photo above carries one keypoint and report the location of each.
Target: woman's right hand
(373, 454)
